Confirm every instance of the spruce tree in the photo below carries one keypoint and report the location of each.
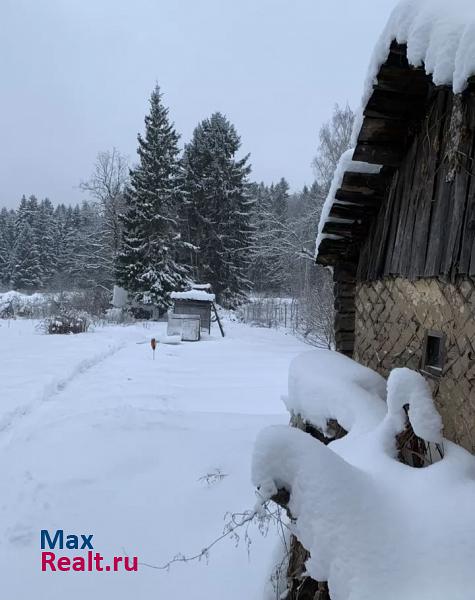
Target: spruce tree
(44, 230)
(27, 274)
(148, 264)
(280, 199)
(217, 209)
(7, 242)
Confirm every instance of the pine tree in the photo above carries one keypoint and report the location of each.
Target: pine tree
(217, 209)
(148, 265)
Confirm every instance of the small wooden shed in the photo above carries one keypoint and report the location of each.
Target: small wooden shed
(197, 301)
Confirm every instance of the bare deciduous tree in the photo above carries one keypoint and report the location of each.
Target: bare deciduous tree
(334, 139)
(285, 247)
(107, 186)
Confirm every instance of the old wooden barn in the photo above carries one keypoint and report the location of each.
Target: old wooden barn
(399, 232)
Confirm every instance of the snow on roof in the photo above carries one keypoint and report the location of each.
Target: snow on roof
(345, 164)
(375, 528)
(201, 286)
(200, 295)
(440, 35)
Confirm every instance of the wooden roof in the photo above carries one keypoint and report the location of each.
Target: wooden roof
(397, 105)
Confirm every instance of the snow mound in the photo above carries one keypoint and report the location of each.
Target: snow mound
(440, 36)
(375, 528)
(345, 164)
(355, 400)
(408, 387)
(200, 295)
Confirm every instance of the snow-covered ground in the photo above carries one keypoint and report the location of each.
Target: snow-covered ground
(98, 438)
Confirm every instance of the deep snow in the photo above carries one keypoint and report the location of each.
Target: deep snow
(375, 528)
(96, 437)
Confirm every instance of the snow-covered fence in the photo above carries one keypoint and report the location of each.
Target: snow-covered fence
(32, 306)
(270, 312)
(309, 317)
(42, 305)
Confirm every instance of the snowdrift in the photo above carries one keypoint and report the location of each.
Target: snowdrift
(375, 527)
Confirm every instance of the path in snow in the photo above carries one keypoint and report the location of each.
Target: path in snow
(118, 451)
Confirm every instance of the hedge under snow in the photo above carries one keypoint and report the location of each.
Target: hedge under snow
(375, 528)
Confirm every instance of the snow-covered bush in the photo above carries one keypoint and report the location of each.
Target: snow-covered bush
(66, 323)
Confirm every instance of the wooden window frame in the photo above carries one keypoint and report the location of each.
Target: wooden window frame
(429, 369)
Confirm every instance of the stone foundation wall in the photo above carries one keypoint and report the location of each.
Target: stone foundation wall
(392, 317)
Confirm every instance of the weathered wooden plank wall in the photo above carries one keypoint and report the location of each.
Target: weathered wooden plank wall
(426, 225)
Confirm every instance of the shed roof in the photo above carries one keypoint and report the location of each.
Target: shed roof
(197, 295)
(426, 43)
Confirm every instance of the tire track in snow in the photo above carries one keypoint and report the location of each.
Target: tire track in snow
(56, 386)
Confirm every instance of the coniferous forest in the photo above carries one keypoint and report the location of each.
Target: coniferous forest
(176, 216)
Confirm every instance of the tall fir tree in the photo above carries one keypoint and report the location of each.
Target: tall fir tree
(44, 226)
(148, 264)
(7, 243)
(27, 273)
(217, 209)
(280, 199)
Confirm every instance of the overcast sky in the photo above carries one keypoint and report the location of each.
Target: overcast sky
(76, 76)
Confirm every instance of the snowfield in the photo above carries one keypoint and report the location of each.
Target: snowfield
(98, 438)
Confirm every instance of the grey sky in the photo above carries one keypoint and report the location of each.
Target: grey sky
(76, 76)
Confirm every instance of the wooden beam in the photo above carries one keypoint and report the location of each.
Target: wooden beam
(387, 105)
(358, 199)
(333, 245)
(354, 212)
(377, 130)
(348, 231)
(366, 184)
(379, 154)
(401, 80)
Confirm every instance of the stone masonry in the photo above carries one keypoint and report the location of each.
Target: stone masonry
(392, 317)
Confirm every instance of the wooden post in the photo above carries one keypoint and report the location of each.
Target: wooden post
(218, 319)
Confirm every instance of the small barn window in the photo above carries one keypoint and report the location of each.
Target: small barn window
(433, 357)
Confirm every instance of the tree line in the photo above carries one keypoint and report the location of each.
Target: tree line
(175, 217)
